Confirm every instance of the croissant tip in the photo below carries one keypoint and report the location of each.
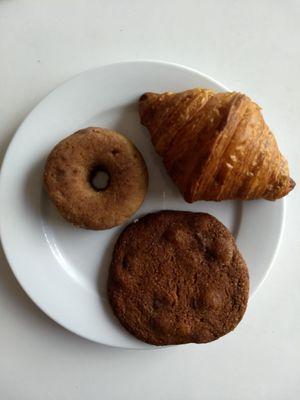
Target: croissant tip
(292, 184)
(146, 96)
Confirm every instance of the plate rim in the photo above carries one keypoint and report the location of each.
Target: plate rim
(9, 149)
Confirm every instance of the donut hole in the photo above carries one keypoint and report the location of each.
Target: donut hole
(99, 179)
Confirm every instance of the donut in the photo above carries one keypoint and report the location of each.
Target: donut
(72, 166)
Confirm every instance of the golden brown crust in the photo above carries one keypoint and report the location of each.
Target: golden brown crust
(67, 178)
(215, 146)
(178, 277)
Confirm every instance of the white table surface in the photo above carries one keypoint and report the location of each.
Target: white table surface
(251, 46)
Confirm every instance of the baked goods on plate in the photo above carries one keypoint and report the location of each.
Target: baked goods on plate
(71, 285)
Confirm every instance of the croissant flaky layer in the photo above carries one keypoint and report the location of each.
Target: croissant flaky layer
(215, 146)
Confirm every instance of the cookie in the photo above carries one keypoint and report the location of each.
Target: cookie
(177, 277)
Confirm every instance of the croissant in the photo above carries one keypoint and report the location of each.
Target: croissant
(215, 146)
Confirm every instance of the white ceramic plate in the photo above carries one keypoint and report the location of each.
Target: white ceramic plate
(63, 269)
